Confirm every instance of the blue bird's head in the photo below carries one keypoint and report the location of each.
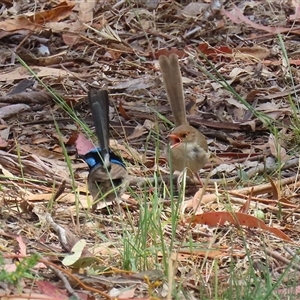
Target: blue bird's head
(94, 158)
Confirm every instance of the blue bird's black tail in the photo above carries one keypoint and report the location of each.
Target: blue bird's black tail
(99, 104)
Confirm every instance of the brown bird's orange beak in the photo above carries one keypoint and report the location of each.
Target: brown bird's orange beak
(174, 139)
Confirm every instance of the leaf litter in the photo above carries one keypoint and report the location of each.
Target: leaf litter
(115, 46)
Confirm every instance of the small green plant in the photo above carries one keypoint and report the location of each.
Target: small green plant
(22, 270)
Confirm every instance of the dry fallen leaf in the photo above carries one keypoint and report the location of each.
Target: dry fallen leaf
(38, 20)
(21, 73)
(237, 219)
(255, 51)
(277, 150)
(14, 109)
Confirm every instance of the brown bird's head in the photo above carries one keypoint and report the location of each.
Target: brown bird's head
(183, 134)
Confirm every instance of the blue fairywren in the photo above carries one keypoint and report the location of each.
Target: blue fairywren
(107, 177)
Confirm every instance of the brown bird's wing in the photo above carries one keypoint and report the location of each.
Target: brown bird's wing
(173, 83)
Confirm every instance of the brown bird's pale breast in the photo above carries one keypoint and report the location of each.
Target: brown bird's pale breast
(188, 155)
(188, 149)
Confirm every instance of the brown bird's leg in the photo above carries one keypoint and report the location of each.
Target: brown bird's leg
(199, 179)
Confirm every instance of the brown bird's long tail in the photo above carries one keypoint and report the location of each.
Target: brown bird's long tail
(173, 83)
(99, 103)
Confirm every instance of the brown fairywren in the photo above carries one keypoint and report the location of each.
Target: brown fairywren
(188, 146)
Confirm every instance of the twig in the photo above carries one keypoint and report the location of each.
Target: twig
(60, 190)
(282, 259)
(66, 282)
